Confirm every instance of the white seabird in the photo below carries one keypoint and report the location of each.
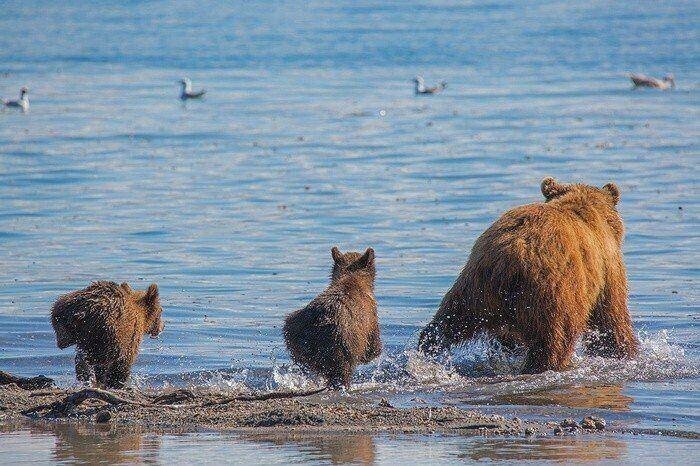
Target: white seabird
(640, 80)
(421, 89)
(22, 102)
(186, 91)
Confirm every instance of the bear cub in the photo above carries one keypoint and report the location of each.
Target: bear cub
(106, 322)
(339, 329)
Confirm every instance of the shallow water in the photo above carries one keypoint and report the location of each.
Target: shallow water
(62, 444)
(309, 137)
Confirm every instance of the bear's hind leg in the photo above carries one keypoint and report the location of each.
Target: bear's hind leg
(552, 346)
(447, 330)
(545, 355)
(432, 340)
(509, 340)
(610, 323)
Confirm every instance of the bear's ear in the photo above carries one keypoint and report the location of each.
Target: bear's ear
(614, 192)
(551, 188)
(125, 286)
(367, 259)
(151, 297)
(336, 255)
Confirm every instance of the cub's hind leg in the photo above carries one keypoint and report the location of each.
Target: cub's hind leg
(117, 375)
(83, 369)
(374, 346)
(340, 376)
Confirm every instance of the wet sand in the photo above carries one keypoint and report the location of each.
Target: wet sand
(205, 410)
(187, 411)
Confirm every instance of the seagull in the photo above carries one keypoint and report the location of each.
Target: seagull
(186, 91)
(640, 80)
(421, 89)
(22, 102)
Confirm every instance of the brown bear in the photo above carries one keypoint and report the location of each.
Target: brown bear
(541, 276)
(106, 322)
(338, 329)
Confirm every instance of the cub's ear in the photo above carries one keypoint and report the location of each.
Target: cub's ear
(551, 188)
(614, 192)
(125, 286)
(151, 296)
(336, 254)
(367, 258)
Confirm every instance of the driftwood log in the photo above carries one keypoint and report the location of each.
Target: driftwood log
(264, 397)
(65, 406)
(70, 402)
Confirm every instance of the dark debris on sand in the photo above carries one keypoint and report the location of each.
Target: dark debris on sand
(186, 410)
(37, 399)
(26, 383)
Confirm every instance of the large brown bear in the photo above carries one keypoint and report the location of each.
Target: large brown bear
(106, 322)
(338, 329)
(541, 276)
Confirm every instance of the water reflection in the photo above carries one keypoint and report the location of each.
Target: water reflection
(82, 444)
(337, 448)
(553, 449)
(78, 445)
(601, 397)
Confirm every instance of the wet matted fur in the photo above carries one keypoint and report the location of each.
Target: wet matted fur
(542, 275)
(339, 329)
(106, 322)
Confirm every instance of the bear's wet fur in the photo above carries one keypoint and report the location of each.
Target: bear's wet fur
(339, 329)
(541, 276)
(106, 322)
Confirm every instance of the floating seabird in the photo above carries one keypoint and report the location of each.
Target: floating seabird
(421, 89)
(640, 80)
(22, 102)
(186, 91)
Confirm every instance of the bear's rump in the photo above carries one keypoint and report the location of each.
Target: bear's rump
(521, 276)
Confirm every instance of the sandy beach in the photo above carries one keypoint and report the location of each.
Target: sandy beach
(185, 410)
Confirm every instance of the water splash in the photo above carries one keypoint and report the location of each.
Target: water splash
(486, 369)
(480, 369)
(291, 378)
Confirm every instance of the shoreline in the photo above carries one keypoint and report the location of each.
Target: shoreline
(185, 411)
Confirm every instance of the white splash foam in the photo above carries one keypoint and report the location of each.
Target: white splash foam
(483, 367)
(480, 368)
(289, 378)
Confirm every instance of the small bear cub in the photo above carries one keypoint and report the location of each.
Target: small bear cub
(339, 329)
(106, 322)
